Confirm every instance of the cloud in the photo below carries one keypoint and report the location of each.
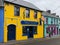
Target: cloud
(53, 5)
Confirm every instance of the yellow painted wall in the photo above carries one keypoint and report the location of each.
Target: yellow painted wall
(39, 28)
(9, 18)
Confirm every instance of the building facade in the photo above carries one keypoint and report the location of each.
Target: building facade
(59, 26)
(51, 25)
(20, 20)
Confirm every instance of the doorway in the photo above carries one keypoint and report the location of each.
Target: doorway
(30, 31)
(11, 32)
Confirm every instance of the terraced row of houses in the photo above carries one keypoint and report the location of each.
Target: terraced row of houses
(21, 20)
(51, 24)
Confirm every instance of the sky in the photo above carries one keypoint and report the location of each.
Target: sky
(53, 5)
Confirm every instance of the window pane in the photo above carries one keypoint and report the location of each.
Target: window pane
(24, 30)
(40, 21)
(35, 14)
(17, 10)
(27, 13)
(35, 29)
(46, 20)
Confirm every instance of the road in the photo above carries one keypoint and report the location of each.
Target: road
(55, 41)
(45, 41)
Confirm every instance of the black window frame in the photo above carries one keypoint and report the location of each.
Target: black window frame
(46, 20)
(16, 10)
(35, 14)
(35, 29)
(27, 14)
(24, 30)
(51, 20)
(54, 20)
(40, 21)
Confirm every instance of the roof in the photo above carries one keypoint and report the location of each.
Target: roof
(1, 3)
(48, 14)
(23, 3)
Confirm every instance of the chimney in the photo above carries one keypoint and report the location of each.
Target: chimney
(49, 11)
(57, 16)
(53, 13)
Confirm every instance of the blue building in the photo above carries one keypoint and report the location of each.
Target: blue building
(51, 27)
(1, 20)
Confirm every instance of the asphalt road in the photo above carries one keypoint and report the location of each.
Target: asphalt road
(44, 41)
(55, 41)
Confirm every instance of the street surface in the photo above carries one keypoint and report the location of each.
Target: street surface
(45, 41)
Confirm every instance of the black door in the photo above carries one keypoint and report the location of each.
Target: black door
(11, 32)
(30, 32)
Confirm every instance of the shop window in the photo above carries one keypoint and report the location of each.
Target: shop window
(16, 10)
(27, 13)
(24, 31)
(57, 30)
(47, 30)
(35, 29)
(40, 21)
(35, 14)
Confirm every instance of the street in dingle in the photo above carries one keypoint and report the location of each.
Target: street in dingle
(24, 23)
(43, 41)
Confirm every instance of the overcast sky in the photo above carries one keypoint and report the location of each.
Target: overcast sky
(53, 5)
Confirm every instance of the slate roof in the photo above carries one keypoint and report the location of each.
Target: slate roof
(48, 14)
(1, 3)
(23, 3)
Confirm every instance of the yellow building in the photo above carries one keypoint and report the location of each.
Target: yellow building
(22, 20)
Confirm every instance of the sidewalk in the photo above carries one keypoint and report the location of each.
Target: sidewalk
(25, 41)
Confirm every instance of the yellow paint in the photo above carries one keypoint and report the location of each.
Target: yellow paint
(9, 18)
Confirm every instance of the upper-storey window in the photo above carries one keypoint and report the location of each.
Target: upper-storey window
(35, 14)
(51, 20)
(27, 12)
(54, 20)
(46, 20)
(40, 21)
(57, 21)
(16, 10)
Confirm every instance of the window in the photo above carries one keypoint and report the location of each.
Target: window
(40, 21)
(3, 1)
(57, 30)
(35, 14)
(46, 20)
(35, 29)
(27, 13)
(47, 30)
(24, 31)
(54, 20)
(51, 22)
(57, 21)
(16, 10)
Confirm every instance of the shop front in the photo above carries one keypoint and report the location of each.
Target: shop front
(29, 29)
(52, 30)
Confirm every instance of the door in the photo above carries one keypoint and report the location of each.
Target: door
(30, 31)
(11, 32)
